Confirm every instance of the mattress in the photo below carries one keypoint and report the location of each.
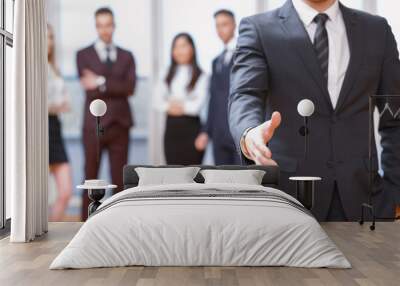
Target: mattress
(201, 225)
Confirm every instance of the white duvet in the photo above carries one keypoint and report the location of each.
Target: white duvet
(201, 231)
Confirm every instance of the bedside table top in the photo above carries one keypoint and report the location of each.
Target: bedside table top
(305, 178)
(89, 187)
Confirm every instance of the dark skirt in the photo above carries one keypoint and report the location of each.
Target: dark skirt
(180, 135)
(57, 152)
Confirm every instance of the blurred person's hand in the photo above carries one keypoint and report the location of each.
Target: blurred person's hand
(201, 141)
(254, 144)
(64, 106)
(89, 80)
(59, 108)
(175, 108)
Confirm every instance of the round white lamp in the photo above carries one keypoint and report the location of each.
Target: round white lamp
(98, 108)
(305, 108)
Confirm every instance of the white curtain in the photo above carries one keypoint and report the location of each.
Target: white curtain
(26, 119)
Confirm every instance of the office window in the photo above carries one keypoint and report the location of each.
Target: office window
(6, 40)
(8, 79)
(9, 12)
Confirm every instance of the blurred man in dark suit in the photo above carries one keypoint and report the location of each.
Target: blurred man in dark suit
(337, 57)
(217, 127)
(106, 72)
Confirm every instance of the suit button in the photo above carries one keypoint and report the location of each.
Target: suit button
(330, 164)
(333, 119)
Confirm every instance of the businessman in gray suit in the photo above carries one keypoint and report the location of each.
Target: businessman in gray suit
(336, 57)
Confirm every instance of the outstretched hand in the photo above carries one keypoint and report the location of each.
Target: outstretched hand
(257, 138)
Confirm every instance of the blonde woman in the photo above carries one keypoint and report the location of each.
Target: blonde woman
(58, 102)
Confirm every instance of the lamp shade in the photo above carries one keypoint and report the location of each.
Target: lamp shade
(305, 108)
(98, 107)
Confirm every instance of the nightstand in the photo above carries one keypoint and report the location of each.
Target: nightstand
(96, 190)
(305, 188)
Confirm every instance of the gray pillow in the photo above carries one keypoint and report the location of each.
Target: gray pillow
(166, 176)
(248, 177)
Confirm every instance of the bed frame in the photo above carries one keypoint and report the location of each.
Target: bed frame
(270, 179)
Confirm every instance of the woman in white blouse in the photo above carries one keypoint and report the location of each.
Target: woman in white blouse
(182, 96)
(58, 102)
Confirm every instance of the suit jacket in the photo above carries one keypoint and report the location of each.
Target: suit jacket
(275, 67)
(120, 84)
(217, 122)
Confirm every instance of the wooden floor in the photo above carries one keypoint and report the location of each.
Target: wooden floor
(375, 257)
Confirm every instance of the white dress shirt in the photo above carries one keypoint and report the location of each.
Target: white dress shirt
(56, 92)
(230, 49)
(193, 101)
(101, 49)
(339, 50)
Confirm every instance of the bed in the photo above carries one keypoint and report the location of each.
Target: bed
(201, 224)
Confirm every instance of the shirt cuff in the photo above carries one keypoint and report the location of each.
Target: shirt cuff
(101, 83)
(243, 147)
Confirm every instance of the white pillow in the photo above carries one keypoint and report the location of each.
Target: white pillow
(166, 176)
(248, 177)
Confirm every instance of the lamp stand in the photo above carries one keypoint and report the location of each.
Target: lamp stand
(99, 133)
(371, 143)
(306, 132)
(95, 195)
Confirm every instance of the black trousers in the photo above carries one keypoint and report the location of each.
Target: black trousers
(224, 154)
(180, 135)
(336, 210)
(116, 142)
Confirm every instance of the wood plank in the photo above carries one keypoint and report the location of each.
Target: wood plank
(375, 257)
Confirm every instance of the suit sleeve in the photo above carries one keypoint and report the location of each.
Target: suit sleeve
(249, 83)
(211, 103)
(117, 86)
(80, 63)
(389, 127)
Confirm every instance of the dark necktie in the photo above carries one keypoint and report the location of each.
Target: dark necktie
(221, 60)
(321, 43)
(109, 62)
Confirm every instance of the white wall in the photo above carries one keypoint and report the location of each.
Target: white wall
(390, 10)
(77, 30)
(196, 17)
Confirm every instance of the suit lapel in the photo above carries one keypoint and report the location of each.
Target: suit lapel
(117, 58)
(99, 65)
(301, 43)
(354, 35)
(103, 69)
